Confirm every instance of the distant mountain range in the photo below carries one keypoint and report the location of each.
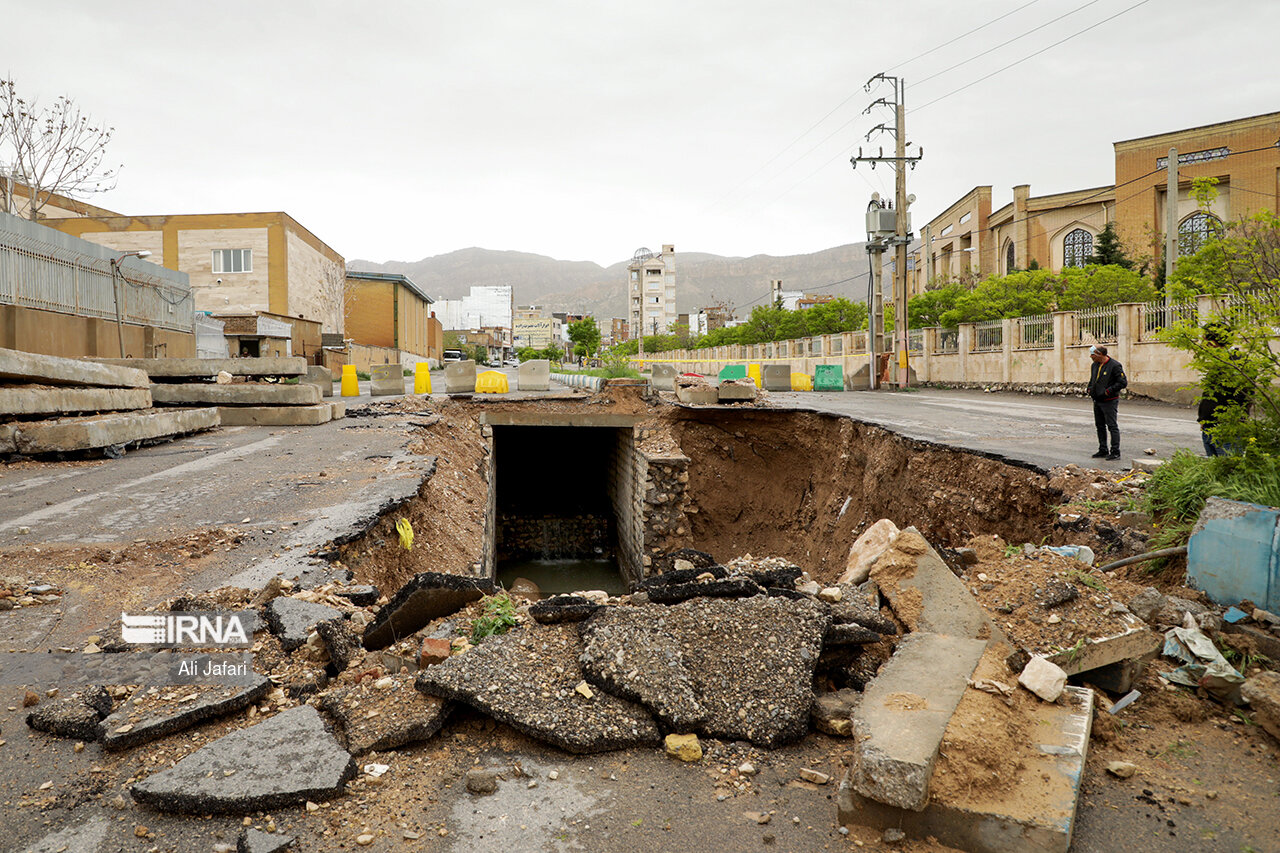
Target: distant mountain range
(583, 286)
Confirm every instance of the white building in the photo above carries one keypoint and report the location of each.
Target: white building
(487, 306)
(652, 291)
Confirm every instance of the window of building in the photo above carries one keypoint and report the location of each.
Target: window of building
(232, 260)
(1076, 248)
(653, 272)
(1010, 259)
(1196, 230)
(635, 275)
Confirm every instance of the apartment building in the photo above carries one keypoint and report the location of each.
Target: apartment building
(651, 289)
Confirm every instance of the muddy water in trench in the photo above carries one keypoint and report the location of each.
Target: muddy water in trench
(559, 576)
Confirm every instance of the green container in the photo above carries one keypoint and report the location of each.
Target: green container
(828, 377)
(733, 371)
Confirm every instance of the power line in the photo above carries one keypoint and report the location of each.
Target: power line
(962, 35)
(1032, 55)
(1005, 43)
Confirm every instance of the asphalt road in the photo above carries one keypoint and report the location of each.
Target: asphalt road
(1042, 431)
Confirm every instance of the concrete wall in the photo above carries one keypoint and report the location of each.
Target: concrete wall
(363, 357)
(52, 333)
(627, 475)
(313, 271)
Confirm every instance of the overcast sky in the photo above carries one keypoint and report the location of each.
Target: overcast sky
(583, 129)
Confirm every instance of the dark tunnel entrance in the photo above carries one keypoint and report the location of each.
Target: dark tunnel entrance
(558, 493)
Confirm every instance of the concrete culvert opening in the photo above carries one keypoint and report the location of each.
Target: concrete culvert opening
(557, 493)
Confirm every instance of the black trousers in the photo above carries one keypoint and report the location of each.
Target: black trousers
(1104, 418)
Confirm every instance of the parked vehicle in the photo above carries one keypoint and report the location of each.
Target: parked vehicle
(453, 355)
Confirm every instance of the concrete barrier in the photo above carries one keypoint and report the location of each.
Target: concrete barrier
(321, 377)
(386, 380)
(460, 377)
(801, 382)
(732, 371)
(664, 377)
(828, 377)
(753, 373)
(534, 375)
(776, 377)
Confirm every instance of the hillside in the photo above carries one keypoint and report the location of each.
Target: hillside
(585, 286)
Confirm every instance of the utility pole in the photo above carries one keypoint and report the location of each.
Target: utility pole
(1170, 226)
(902, 203)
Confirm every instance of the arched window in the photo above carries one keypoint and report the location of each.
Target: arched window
(1010, 259)
(1076, 248)
(1196, 230)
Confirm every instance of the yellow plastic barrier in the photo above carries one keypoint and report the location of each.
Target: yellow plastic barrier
(753, 373)
(491, 382)
(350, 384)
(422, 378)
(801, 382)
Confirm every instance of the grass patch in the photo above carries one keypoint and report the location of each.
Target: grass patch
(1178, 489)
(498, 615)
(1088, 580)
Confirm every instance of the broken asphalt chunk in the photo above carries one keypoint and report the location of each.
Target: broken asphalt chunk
(75, 716)
(341, 641)
(427, 596)
(256, 841)
(287, 759)
(526, 678)
(372, 720)
(291, 619)
(145, 717)
(562, 608)
(741, 670)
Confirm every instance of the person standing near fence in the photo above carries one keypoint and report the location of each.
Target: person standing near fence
(1106, 381)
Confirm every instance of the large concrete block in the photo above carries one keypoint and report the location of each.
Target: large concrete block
(276, 415)
(257, 394)
(52, 370)
(664, 377)
(904, 713)
(70, 434)
(924, 593)
(1003, 820)
(321, 377)
(210, 367)
(776, 377)
(22, 400)
(386, 380)
(460, 377)
(534, 375)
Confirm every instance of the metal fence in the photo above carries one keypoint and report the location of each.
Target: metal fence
(1035, 332)
(1097, 326)
(1155, 317)
(988, 336)
(47, 270)
(947, 340)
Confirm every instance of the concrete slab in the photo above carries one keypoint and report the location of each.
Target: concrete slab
(924, 593)
(386, 380)
(288, 759)
(19, 400)
(256, 841)
(70, 434)
(16, 365)
(1135, 642)
(276, 415)
(337, 411)
(211, 367)
(291, 619)
(736, 391)
(241, 394)
(904, 712)
(998, 821)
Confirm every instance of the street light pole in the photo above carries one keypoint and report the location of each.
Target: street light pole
(115, 292)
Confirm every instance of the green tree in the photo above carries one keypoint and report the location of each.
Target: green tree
(1108, 251)
(1094, 286)
(480, 354)
(926, 309)
(1018, 294)
(1240, 269)
(585, 335)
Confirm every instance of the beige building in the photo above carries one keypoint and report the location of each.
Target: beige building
(651, 289)
(238, 263)
(970, 240)
(389, 310)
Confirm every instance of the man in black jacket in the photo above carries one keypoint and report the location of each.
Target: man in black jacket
(1106, 381)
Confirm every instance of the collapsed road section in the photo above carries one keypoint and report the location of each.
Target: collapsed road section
(812, 617)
